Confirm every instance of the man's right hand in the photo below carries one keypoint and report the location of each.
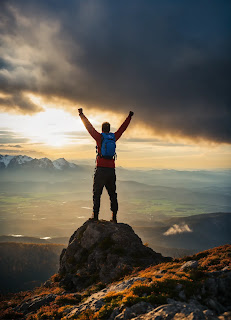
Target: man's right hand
(131, 113)
(80, 110)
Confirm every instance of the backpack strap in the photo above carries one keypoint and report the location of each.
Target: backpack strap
(97, 149)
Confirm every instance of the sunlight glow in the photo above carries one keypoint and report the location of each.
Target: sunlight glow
(50, 127)
(59, 132)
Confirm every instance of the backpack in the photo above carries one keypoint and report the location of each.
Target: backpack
(108, 145)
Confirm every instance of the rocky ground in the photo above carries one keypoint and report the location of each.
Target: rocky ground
(150, 286)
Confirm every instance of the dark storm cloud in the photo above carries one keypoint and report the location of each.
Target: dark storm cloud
(168, 61)
(18, 102)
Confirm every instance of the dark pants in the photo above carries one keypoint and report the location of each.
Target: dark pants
(104, 177)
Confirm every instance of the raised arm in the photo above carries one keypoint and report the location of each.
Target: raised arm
(124, 126)
(95, 134)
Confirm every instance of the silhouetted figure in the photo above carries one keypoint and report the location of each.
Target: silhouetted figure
(105, 163)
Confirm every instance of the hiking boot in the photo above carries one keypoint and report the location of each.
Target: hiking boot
(94, 217)
(114, 219)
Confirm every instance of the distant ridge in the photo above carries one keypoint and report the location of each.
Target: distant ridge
(25, 162)
(34, 240)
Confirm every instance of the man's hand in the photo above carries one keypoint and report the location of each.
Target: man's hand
(80, 110)
(131, 113)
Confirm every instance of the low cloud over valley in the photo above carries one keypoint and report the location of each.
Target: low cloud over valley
(176, 228)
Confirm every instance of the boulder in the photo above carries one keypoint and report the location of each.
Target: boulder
(178, 310)
(189, 265)
(102, 251)
(35, 303)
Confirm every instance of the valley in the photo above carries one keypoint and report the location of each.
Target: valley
(176, 213)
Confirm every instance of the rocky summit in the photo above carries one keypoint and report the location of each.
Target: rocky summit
(102, 251)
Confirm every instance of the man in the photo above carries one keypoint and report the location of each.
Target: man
(105, 167)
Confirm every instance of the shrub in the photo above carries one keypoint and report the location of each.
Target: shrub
(48, 313)
(113, 297)
(11, 314)
(68, 299)
(85, 315)
(105, 312)
(56, 277)
(131, 299)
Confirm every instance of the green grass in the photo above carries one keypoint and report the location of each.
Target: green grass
(57, 214)
(169, 208)
(135, 206)
(25, 204)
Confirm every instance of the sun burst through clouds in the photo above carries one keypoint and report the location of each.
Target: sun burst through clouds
(51, 127)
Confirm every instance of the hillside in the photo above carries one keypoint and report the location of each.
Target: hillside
(26, 262)
(193, 287)
(24, 266)
(201, 291)
(197, 232)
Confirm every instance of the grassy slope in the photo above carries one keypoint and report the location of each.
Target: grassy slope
(156, 292)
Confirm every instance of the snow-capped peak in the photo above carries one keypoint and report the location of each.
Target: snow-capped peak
(6, 159)
(63, 163)
(23, 159)
(44, 163)
(18, 159)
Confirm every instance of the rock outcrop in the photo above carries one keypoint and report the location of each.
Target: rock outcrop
(101, 251)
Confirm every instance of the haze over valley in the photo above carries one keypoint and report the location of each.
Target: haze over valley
(48, 200)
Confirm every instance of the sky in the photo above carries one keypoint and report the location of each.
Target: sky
(168, 61)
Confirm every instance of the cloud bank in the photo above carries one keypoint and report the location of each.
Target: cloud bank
(7, 136)
(168, 61)
(176, 228)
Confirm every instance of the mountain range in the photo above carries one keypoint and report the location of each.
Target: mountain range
(25, 162)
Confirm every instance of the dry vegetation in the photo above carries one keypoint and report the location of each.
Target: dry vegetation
(161, 283)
